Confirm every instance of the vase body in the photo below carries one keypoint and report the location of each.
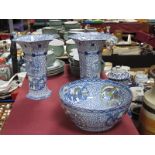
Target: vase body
(90, 45)
(35, 50)
(90, 58)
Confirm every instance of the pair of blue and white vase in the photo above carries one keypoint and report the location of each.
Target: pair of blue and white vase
(92, 103)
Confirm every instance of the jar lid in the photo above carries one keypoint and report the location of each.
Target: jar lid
(70, 41)
(56, 42)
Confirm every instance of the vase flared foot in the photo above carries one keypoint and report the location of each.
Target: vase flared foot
(39, 96)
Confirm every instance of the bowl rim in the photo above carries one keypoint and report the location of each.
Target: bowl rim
(96, 110)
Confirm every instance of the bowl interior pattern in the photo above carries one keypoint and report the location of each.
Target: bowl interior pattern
(95, 94)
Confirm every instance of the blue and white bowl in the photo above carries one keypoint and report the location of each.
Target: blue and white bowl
(94, 104)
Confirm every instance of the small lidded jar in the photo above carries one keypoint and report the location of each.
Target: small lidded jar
(120, 75)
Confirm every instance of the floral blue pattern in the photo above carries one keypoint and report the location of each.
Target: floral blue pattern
(90, 45)
(118, 76)
(95, 104)
(35, 49)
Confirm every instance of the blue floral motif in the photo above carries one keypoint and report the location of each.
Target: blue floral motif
(35, 48)
(114, 117)
(118, 75)
(89, 109)
(90, 45)
(37, 84)
(77, 94)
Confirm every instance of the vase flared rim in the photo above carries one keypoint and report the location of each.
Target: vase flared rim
(90, 36)
(35, 38)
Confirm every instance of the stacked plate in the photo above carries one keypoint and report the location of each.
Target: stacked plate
(56, 68)
(6, 91)
(13, 86)
(72, 25)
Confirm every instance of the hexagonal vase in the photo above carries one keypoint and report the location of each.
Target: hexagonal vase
(90, 45)
(35, 49)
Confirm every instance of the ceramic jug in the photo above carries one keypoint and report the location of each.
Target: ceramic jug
(147, 114)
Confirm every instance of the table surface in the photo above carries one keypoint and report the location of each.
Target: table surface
(46, 117)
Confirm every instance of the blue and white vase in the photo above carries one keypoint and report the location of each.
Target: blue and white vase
(35, 50)
(90, 45)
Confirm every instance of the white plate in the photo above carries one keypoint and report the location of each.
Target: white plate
(55, 73)
(57, 64)
(14, 86)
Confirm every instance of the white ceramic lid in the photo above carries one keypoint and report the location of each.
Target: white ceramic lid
(70, 22)
(70, 41)
(56, 42)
